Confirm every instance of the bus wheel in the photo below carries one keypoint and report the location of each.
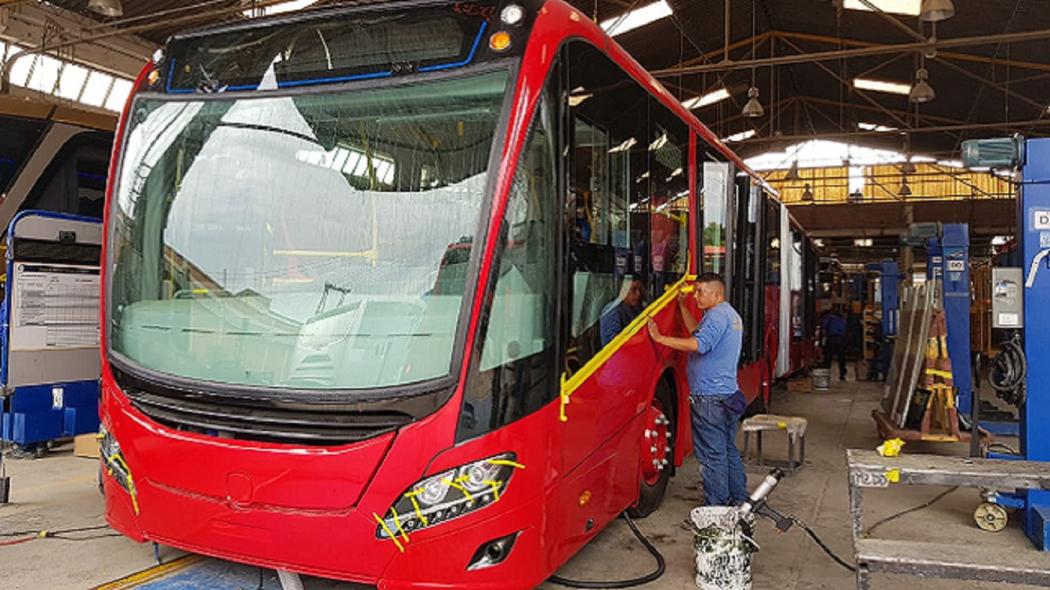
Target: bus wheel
(657, 451)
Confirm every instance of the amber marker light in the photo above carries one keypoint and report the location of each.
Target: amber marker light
(499, 41)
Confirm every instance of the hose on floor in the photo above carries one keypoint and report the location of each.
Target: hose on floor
(661, 567)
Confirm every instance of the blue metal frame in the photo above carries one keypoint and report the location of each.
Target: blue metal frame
(30, 414)
(954, 252)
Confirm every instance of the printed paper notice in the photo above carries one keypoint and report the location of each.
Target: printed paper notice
(54, 306)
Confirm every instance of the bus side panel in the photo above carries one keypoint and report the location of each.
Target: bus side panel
(750, 378)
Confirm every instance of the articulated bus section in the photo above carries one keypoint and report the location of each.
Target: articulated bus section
(375, 310)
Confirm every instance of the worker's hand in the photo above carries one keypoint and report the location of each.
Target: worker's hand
(654, 330)
(683, 297)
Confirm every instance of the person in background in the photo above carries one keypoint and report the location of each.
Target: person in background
(622, 311)
(715, 398)
(833, 327)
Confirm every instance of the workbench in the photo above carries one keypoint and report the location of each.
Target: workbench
(985, 562)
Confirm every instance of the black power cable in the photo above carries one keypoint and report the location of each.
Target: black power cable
(822, 545)
(1008, 372)
(922, 506)
(661, 566)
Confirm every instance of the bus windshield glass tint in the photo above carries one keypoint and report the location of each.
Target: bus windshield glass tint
(301, 242)
(328, 49)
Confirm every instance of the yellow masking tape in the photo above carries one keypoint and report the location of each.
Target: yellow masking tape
(573, 383)
(506, 462)
(495, 487)
(455, 484)
(893, 475)
(397, 523)
(389, 532)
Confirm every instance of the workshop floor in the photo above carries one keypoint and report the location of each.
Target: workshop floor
(59, 492)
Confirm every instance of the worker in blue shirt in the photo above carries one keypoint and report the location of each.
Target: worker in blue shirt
(833, 328)
(715, 398)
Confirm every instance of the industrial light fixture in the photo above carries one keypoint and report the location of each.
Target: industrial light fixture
(922, 91)
(855, 197)
(908, 167)
(807, 194)
(753, 108)
(792, 173)
(934, 11)
(109, 8)
(905, 189)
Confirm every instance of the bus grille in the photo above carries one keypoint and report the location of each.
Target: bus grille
(227, 419)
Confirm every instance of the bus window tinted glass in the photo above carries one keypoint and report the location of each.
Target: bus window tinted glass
(609, 184)
(668, 153)
(75, 182)
(329, 49)
(716, 187)
(306, 242)
(516, 372)
(17, 142)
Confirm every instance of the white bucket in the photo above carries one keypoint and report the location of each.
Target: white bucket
(821, 379)
(723, 546)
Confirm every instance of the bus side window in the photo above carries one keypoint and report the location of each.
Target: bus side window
(668, 204)
(516, 372)
(715, 182)
(747, 274)
(609, 202)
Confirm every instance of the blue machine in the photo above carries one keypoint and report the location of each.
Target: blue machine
(1034, 229)
(49, 358)
(891, 297)
(1034, 238)
(949, 260)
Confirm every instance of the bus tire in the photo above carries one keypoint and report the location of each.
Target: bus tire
(655, 476)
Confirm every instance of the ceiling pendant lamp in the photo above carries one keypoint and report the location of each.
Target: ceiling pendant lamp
(753, 108)
(933, 11)
(807, 194)
(905, 189)
(111, 8)
(922, 91)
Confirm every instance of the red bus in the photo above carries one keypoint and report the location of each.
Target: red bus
(376, 283)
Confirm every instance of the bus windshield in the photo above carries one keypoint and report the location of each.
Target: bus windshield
(309, 242)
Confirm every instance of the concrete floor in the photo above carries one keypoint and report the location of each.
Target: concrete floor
(59, 492)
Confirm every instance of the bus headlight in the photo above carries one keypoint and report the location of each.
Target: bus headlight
(115, 465)
(448, 495)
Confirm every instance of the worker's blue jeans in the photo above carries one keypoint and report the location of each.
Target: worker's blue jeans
(715, 420)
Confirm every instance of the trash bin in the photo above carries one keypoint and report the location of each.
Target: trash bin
(821, 379)
(723, 544)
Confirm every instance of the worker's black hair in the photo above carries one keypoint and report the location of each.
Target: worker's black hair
(710, 277)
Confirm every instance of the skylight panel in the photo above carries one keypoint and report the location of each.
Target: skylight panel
(706, 99)
(882, 86)
(637, 18)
